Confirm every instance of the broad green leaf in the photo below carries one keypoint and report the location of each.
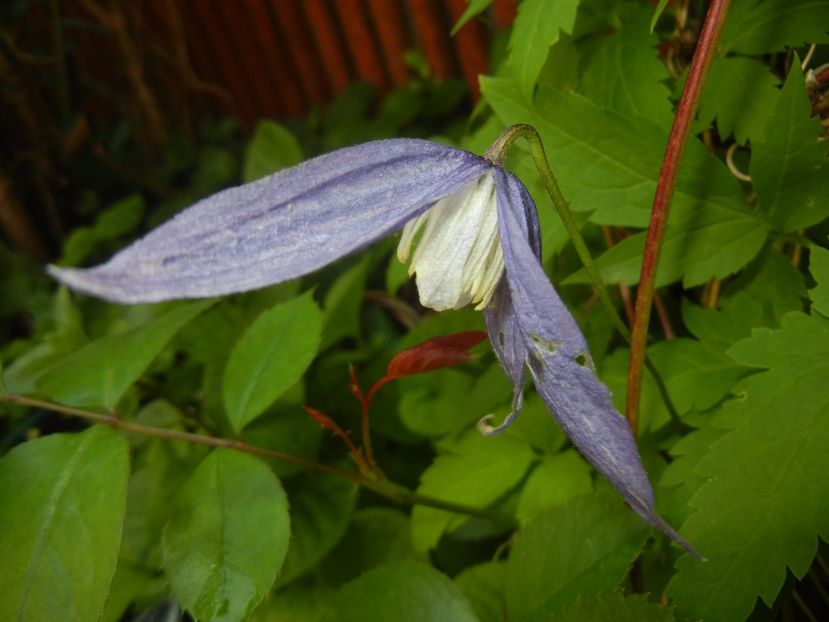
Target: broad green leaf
(580, 548)
(679, 481)
(404, 592)
(296, 604)
(762, 26)
(477, 471)
(160, 467)
(343, 301)
(758, 298)
(474, 7)
(536, 28)
(697, 375)
(556, 479)
(227, 537)
(740, 93)
(119, 219)
(433, 405)
(765, 500)
(100, 373)
(789, 167)
(321, 508)
(614, 606)
(271, 149)
(483, 586)
(289, 430)
(64, 497)
(270, 356)
(819, 267)
(133, 585)
(375, 536)
(624, 73)
(68, 336)
(657, 13)
(610, 164)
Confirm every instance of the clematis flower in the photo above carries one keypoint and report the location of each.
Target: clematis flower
(479, 245)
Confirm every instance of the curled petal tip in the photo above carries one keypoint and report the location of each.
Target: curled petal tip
(486, 429)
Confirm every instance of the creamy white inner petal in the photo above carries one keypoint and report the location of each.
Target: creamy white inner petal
(458, 260)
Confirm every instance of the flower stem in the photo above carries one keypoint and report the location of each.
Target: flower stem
(496, 154)
(703, 55)
(394, 492)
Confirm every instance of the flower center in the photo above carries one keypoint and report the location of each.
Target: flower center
(458, 260)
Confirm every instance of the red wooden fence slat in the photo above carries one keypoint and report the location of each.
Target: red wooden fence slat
(361, 43)
(299, 44)
(214, 29)
(471, 46)
(433, 35)
(329, 44)
(503, 13)
(387, 18)
(267, 40)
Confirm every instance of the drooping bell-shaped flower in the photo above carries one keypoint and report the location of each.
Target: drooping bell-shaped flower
(479, 244)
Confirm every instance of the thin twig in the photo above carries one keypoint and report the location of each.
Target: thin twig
(703, 55)
(389, 490)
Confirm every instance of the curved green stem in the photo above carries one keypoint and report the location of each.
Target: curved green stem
(393, 492)
(496, 153)
(706, 46)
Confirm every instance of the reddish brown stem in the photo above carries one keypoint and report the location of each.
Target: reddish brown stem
(706, 46)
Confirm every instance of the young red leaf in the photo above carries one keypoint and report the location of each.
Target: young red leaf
(434, 354)
(321, 418)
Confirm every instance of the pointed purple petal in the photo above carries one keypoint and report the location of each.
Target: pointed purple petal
(282, 226)
(561, 366)
(508, 344)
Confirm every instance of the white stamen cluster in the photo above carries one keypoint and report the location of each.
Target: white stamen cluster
(458, 260)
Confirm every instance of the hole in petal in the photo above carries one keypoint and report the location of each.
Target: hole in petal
(551, 347)
(585, 360)
(501, 338)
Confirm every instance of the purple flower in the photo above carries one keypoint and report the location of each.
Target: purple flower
(480, 245)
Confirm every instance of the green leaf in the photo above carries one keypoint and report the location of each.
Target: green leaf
(624, 73)
(762, 26)
(765, 499)
(557, 479)
(271, 149)
(22, 375)
(789, 167)
(298, 604)
(697, 375)
(536, 28)
(483, 586)
(404, 592)
(321, 508)
(271, 355)
(477, 471)
(289, 430)
(819, 267)
(227, 537)
(580, 548)
(710, 232)
(474, 7)
(343, 301)
(657, 13)
(100, 373)
(740, 93)
(159, 468)
(119, 219)
(434, 405)
(376, 536)
(614, 606)
(64, 497)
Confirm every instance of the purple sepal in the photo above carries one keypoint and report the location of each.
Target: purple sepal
(283, 226)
